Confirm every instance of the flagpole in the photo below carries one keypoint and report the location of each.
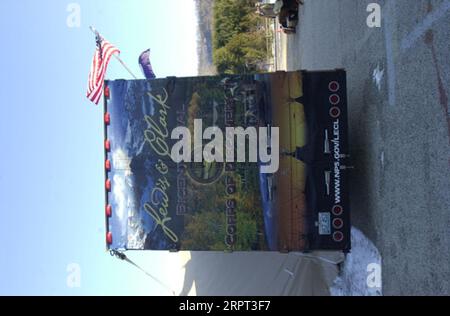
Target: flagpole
(117, 57)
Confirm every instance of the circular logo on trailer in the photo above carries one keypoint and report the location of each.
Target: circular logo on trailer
(335, 112)
(333, 86)
(338, 236)
(335, 99)
(205, 173)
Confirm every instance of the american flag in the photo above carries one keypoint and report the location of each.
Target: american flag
(102, 57)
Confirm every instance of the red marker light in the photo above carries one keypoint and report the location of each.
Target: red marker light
(338, 236)
(107, 118)
(107, 92)
(108, 210)
(108, 165)
(107, 145)
(338, 223)
(108, 185)
(335, 112)
(335, 99)
(333, 86)
(109, 238)
(337, 210)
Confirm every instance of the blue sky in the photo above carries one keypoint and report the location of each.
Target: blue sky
(51, 139)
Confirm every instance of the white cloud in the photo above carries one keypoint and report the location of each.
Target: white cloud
(119, 191)
(121, 161)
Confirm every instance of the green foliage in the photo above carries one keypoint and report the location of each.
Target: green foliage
(206, 230)
(238, 37)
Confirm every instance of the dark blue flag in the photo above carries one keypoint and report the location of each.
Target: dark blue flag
(146, 66)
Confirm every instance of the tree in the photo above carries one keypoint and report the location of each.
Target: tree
(238, 39)
(242, 54)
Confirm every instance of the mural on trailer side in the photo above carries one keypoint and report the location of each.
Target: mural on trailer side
(159, 204)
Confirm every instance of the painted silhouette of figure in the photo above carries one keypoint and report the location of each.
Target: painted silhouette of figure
(304, 154)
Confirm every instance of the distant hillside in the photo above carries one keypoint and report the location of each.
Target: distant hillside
(204, 39)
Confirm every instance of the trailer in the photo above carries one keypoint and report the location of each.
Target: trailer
(294, 196)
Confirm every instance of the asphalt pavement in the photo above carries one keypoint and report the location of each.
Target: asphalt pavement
(398, 98)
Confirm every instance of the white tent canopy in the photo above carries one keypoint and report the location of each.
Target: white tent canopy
(265, 273)
(259, 273)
